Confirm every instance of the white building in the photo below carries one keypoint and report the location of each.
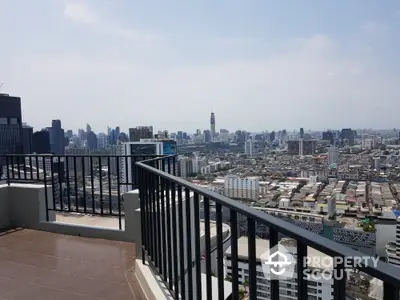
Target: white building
(317, 289)
(333, 155)
(392, 249)
(377, 163)
(249, 147)
(185, 167)
(368, 143)
(241, 188)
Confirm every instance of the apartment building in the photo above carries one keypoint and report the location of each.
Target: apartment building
(241, 188)
(321, 289)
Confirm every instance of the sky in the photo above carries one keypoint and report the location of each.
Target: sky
(257, 64)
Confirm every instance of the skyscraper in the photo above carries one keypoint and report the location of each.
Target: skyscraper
(92, 140)
(27, 136)
(41, 142)
(212, 126)
(301, 133)
(57, 139)
(10, 126)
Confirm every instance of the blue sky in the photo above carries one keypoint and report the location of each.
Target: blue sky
(257, 64)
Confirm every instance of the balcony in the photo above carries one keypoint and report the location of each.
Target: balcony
(124, 227)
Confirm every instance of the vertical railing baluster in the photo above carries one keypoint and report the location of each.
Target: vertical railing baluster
(273, 241)
(164, 231)
(251, 225)
(197, 245)
(220, 253)
(126, 173)
(152, 227)
(60, 186)
(119, 196)
(83, 162)
(76, 185)
(142, 211)
(92, 184)
(169, 248)
(189, 258)
(67, 159)
(207, 254)
(174, 165)
(301, 281)
(18, 158)
(8, 170)
(181, 243)
(339, 284)
(37, 168)
(158, 218)
(101, 187)
(234, 254)
(174, 239)
(46, 196)
(109, 185)
(23, 159)
(52, 181)
(12, 167)
(30, 167)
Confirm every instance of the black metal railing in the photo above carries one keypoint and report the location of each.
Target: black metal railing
(86, 184)
(177, 242)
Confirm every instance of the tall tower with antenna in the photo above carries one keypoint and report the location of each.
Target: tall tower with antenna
(212, 126)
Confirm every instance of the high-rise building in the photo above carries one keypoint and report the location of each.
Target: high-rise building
(328, 136)
(333, 155)
(348, 136)
(272, 136)
(27, 137)
(10, 126)
(57, 138)
(140, 132)
(301, 133)
(102, 140)
(91, 140)
(207, 136)
(249, 147)
(212, 126)
(301, 147)
(41, 142)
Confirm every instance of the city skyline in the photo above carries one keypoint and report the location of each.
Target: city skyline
(255, 66)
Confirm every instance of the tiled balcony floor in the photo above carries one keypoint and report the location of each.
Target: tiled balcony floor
(37, 265)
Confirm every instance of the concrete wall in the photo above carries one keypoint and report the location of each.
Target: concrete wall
(4, 207)
(24, 205)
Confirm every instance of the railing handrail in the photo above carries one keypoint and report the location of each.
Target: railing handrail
(82, 155)
(382, 271)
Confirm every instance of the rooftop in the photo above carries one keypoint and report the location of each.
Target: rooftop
(39, 265)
